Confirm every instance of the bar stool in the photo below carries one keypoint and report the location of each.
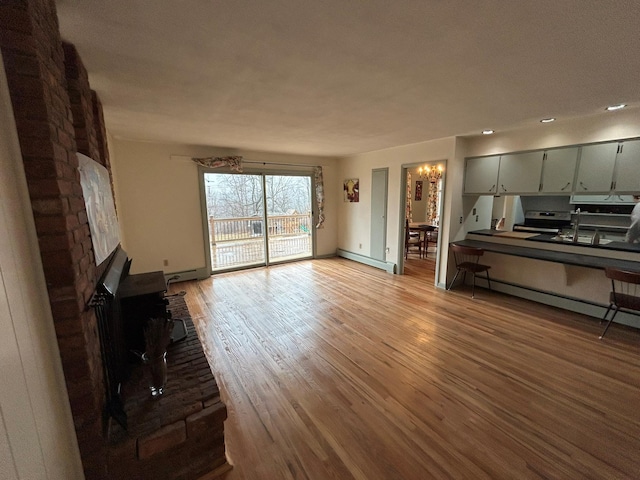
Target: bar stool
(625, 293)
(467, 260)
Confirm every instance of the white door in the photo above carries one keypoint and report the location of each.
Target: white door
(379, 181)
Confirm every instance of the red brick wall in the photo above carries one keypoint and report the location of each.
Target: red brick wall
(56, 115)
(81, 103)
(34, 60)
(101, 131)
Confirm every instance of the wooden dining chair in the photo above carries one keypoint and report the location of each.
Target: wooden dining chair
(430, 237)
(411, 240)
(467, 260)
(624, 295)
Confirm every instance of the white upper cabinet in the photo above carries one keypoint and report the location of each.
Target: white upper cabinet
(520, 173)
(481, 175)
(558, 170)
(627, 174)
(603, 199)
(595, 173)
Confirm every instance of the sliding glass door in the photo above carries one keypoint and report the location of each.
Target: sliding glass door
(257, 219)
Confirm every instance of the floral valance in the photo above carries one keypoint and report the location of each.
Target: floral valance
(233, 162)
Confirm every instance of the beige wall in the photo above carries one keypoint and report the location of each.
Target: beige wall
(595, 128)
(37, 438)
(355, 218)
(158, 201)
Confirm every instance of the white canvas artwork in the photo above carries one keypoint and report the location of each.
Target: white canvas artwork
(101, 211)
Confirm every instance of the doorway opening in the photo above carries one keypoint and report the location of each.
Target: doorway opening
(422, 209)
(257, 219)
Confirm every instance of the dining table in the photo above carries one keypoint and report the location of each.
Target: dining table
(428, 233)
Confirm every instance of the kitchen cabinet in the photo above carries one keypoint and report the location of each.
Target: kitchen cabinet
(595, 171)
(558, 170)
(607, 172)
(612, 198)
(481, 175)
(520, 173)
(627, 172)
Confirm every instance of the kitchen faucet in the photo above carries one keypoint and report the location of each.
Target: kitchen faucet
(576, 226)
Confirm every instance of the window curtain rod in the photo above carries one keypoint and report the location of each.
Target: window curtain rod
(281, 164)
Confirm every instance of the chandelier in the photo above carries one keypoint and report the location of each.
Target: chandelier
(431, 173)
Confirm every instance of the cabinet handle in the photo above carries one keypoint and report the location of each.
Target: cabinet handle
(583, 187)
(503, 189)
(564, 188)
(493, 187)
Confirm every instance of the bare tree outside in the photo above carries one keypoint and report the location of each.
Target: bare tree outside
(236, 218)
(234, 195)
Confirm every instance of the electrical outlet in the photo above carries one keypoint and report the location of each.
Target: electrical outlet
(165, 262)
(460, 219)
(477, 217)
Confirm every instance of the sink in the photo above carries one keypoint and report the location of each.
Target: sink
(582, 239)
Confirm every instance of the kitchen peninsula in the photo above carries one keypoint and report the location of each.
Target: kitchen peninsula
(549, 269)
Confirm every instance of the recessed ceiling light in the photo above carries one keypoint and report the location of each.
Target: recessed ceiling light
(612, 108)
(547, 120)
(487, 132)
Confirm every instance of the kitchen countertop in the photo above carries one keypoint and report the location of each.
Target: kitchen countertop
(567, 258)
(549, 238)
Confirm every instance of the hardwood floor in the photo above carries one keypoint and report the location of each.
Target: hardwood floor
(334, 370)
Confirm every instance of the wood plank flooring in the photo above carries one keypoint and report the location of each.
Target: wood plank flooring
(334, 370)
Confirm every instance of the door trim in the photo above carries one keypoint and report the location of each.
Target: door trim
(403, 209)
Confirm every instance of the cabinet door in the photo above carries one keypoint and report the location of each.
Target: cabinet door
(595, 173)
(481, 175)
(558, 170)
(592, 199)
(520, 173)
(628, 167)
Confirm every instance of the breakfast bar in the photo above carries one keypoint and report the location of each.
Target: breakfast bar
(556, 272)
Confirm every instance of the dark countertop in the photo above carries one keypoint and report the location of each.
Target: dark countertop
(548, 238)
(567, 258)
(619, 246)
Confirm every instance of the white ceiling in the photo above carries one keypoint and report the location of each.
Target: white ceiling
(336, 77)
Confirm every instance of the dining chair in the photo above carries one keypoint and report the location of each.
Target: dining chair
(625, 293)
(411, 240)
(467, 260)
(430, 236)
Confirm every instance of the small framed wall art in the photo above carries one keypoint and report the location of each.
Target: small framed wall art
(352, 190)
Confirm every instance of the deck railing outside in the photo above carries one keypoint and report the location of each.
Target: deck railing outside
(240, 241)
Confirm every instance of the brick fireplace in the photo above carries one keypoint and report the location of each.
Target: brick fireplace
(57, 114)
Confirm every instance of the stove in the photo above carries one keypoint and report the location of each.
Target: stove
(544, 222)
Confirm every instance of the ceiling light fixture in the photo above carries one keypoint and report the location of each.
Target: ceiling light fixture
(612, 108)
(487, 132)
(431, 172)
(548, 120)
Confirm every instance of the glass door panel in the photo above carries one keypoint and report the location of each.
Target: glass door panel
(289, 217)
(235, 214)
